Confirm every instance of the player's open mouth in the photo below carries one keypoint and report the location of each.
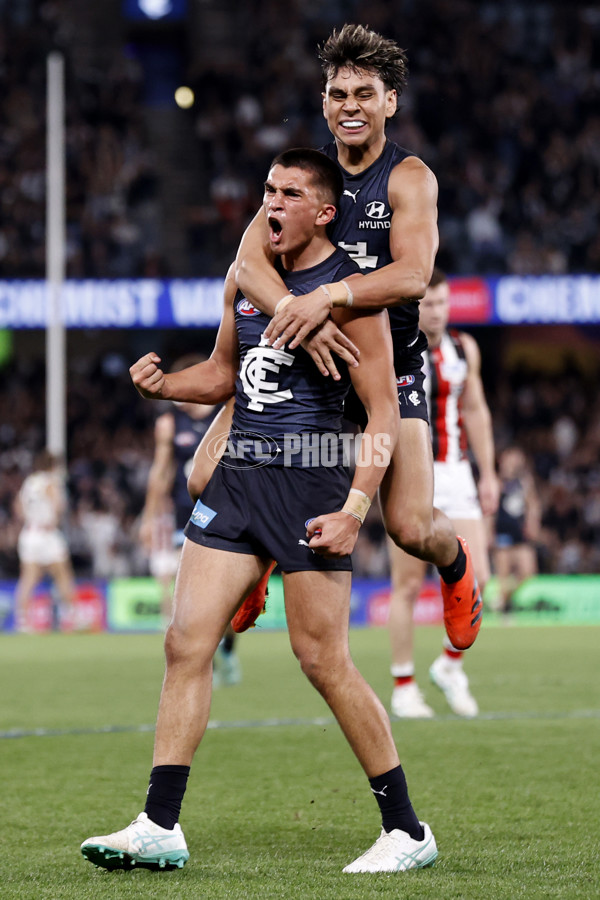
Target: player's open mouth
(275, 228)
(352, 125)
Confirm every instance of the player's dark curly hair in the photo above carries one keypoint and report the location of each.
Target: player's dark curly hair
(357, 47)
(325, 173)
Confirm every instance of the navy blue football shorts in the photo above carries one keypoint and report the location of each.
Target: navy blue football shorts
(264, 512)
(408, 366)
(411, 391)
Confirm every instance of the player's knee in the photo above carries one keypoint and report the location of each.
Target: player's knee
(183, 649)
(407, 590)
(411, 534)
(320, 664)
(174, 645)
(308, 655)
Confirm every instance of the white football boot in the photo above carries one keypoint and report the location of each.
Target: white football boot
(396, 851)
(408, 703)
(226, 668)
(142, 844)
(450, 677)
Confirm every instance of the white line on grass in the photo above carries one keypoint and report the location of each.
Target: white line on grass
(271, 723)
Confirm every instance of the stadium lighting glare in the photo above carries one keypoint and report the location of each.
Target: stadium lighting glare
(184, 97)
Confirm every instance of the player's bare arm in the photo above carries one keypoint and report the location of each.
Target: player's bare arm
(478, 426)
(160, 476)
(375, 385)
(260, 283)
(412, 193)
(211, 382)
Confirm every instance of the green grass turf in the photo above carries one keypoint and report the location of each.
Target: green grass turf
(276, 812)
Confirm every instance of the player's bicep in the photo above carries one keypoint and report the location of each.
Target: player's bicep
(226, 350)
(373, 380)
(413, 196)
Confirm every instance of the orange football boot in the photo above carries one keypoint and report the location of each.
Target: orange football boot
(253, 605)
(463, 606)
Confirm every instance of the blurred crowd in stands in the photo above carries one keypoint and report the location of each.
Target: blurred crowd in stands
(111, 205)
(502, 103)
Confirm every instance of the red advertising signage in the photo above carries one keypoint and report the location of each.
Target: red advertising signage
(470, 301)
(87, 614)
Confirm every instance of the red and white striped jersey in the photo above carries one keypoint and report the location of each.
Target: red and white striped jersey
(446, 370)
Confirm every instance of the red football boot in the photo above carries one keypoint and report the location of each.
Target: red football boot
(463, 606)
(253, 605)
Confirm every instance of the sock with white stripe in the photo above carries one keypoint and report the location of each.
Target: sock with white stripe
(391, 793)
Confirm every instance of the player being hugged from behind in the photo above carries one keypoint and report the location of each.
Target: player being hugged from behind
(279, 497)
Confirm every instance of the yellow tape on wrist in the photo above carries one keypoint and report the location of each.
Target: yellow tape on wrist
(281, 304)
(339, 293)
(357, 504)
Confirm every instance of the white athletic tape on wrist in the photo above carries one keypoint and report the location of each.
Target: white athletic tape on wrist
(350, 297)
(357, 504)
(327, 292)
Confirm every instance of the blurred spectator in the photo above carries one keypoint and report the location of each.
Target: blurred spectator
(41, 505)
(517, 525)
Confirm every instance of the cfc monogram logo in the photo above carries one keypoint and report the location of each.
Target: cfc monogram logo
(259, 363)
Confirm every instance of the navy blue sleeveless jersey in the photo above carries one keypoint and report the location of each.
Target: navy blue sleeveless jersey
(362, 227)
(281, 392)
(511, 513)
(188, 434)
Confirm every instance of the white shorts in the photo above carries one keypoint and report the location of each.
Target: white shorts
(455, 492)
(42, 547)
(163, 563)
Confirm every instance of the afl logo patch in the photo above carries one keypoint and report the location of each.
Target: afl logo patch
(376, 210)
(245, 308)
(186, 439)
(405, 380)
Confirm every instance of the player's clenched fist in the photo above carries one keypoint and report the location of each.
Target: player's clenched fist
(333, 535)
(148, 378)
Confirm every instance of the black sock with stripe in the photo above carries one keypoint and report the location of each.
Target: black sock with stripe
(391, 794)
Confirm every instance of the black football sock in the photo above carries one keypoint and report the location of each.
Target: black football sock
(396, 809)
(453, 573)
(228, 642)
(165, 794)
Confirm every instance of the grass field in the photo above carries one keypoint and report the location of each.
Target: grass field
(276, 809)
